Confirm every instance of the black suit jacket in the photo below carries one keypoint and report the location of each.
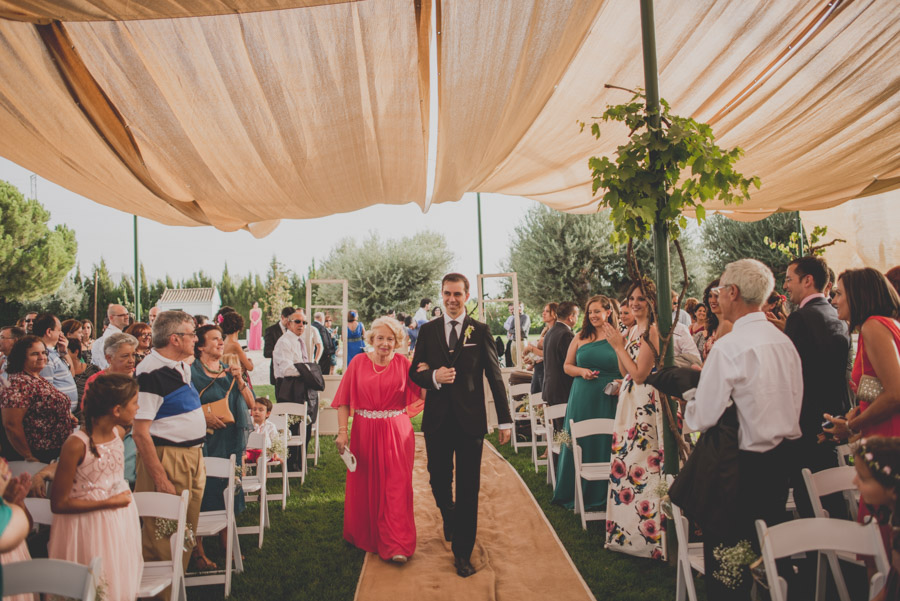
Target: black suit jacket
(557, 383)
(823, 344)
(273, 333)
(474, 359)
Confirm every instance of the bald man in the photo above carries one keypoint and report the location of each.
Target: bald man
(118, 321)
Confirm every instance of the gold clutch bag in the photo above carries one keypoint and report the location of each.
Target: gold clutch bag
(869, 388)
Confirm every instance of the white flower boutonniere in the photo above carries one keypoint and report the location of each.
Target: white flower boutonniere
(468, 333)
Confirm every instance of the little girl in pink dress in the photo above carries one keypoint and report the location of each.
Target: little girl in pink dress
(93, 511)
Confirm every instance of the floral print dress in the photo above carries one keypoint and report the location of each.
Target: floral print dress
(634, 522)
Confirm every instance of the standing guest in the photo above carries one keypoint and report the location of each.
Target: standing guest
(411, 329)
(289, 350)
(317, 344)
(254, 337)
(58, 370)
(716, 325)
(868, 302)
(326, 361)
(170, 426)
(453, 359)
(87, 340)
(94, 514)
(548, 316)
(273, 333)
(698, 329)
(215, 380)
(626, 319)
(378, 504)
(81, 371)
(8, 337)
(421, 316)
(71, 328)
(144, 335)
(151, 315)
(355, 336)
(118, 321)
(436, 311)
(558, 383)
(757, 368)
(823, 343)
(591, 361)
(232, 326)
(28, 322)
(200, 320)
(679, 315)
(36, 415)
(633, 517)
(512, 334)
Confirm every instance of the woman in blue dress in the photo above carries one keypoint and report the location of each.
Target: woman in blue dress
(593, 363)
(355, 336)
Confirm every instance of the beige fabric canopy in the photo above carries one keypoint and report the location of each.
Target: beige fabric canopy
(235, 113)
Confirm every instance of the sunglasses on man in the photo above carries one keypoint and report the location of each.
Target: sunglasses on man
(300, 321)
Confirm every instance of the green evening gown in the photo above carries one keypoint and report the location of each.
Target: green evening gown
(588, 401)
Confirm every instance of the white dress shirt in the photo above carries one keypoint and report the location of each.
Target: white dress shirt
(98, 356)
(758, 367)
(683, 343)
(289, 349)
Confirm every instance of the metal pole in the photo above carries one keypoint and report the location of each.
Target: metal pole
(96, 325)
(660, 233)
(480, 247)
(137, 274)
(801, 243)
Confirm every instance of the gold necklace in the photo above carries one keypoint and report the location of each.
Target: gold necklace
(383, 370)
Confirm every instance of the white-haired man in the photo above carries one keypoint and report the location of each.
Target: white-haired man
(118, 321)
(758, 369)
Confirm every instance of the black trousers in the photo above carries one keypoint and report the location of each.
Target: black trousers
(443, 445)
(762, 494)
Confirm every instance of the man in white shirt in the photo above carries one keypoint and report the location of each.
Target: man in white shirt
(290, 348)
(118, 321)
(757, 367)
(421, 315)
(683, 317)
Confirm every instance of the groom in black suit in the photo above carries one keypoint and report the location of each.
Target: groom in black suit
(453, 356)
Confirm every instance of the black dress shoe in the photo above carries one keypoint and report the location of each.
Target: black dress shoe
(464, 567)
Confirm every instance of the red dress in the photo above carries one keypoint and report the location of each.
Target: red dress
(378, 504)
(862, 366)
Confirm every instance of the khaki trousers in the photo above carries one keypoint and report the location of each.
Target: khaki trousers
(186, 471)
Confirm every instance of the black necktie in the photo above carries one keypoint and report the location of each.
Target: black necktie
(454, 337)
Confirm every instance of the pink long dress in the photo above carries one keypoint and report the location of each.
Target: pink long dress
(254, 341)
(378, 505)
(113, 534)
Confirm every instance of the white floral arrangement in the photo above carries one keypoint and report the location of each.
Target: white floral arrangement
(562, 438)
(276, 446)
(732, 561)
(165, 528)
(665, 503)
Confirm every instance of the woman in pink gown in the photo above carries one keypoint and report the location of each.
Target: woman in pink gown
(254, 340)
(378, 504)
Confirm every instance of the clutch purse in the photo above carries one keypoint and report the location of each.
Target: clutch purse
(869, 388)
(349, 458)
(220, 408)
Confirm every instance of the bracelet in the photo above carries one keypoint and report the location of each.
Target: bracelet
(342, 429)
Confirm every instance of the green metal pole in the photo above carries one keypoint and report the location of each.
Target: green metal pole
(660, 233)
(480, 247)
(801, 243)
(137, 274)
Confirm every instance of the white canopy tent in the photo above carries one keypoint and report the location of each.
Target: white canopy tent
(235, 114)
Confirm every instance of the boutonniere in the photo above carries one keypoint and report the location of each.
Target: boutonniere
(468, 333)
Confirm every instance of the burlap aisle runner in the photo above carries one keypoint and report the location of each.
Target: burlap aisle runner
(517, 554)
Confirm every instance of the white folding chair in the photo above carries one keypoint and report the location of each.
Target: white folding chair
(212, 523)
(538, 432)
(17, 468)
(40, 511)
(844, 453)
(552, 412)
(280, 422)
(820, 484)
(690, 557)
(64, 579)
(160, 575)
(592, 472)
(299, 441)
(255, 487)
(519, 410)
(314, 432)
(820, 534)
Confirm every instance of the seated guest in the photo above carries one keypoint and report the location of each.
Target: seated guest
(143, 334)
(57, 371)
(757, 367)
(118, 349)
(8, 337)
(81, 371)
(71, 328)
(716, 325)
(87, 340)
(36, 415)
(260, 414)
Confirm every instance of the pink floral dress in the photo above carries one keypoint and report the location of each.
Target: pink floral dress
(634, 522)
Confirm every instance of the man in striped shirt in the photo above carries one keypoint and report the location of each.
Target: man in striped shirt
(170, 427)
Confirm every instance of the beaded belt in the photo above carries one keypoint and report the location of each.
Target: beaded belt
(379, 414)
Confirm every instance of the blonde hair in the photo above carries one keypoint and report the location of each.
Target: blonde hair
(390, 323)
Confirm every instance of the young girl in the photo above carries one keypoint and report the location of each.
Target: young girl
(93, 512)
(877, 463)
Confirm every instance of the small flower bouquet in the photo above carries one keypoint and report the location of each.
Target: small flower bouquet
(562, 439)
(165, 528)
(732, 561)
(276, 446)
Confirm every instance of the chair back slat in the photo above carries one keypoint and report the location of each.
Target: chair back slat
(555, 411)
(52, 577)
(39, 510)
(591, 427)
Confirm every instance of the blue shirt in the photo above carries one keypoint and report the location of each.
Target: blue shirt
(57, 373)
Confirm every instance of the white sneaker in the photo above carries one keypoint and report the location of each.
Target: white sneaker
(399, 558)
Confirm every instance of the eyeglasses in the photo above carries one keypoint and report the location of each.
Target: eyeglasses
(299, 321)
(148, 335)
(718, 289)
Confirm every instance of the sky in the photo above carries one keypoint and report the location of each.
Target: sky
(181, 251)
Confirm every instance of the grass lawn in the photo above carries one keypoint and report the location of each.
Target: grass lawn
(304, 555)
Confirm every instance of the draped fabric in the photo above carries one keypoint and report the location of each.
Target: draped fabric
(236, 114)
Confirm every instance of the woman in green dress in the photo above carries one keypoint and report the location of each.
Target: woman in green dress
(592, 362)
(214, 380)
